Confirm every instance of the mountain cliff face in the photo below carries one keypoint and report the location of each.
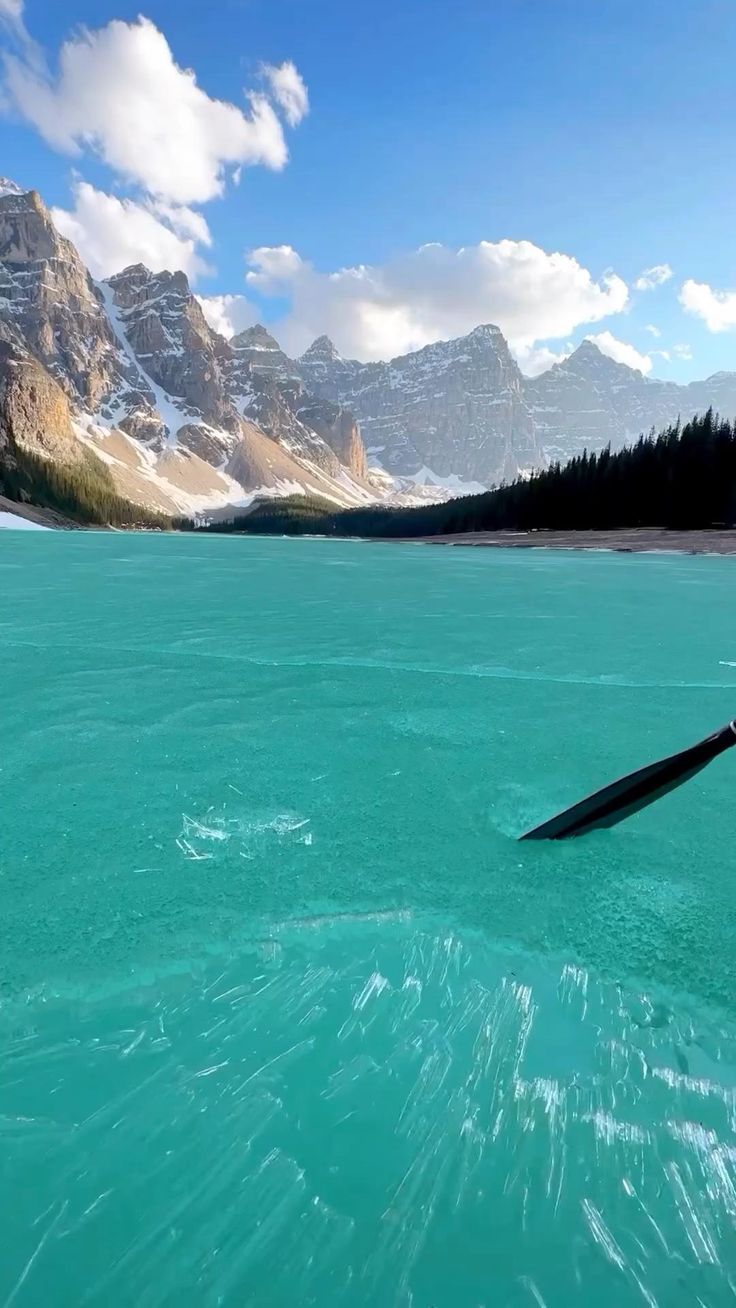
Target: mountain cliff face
(160, 323)
(455, 408)
(49, 306)
(35, 415)
(268, 387)
(589, 401)
(717, 391)
(461, 408)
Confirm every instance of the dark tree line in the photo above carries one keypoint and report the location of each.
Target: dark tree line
(682, 479)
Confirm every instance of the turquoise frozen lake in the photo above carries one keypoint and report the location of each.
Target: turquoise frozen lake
(288, 1016)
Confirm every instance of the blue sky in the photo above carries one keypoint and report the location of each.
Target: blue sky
(597, 129)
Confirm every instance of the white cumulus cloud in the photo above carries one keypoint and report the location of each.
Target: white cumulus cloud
(682, 352)
(11, 9)
(621, 351)
(535, 359)
(433, 293)
(111, 233)
(650, 278)
(716, 308)
(120, 92)
(228, 314)
(653, 331)
(288, 90)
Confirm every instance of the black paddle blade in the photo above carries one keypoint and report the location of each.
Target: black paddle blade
(606, 807)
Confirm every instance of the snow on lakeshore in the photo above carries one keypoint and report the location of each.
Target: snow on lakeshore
(12, 521)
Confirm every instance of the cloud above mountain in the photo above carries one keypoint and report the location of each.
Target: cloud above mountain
(432, 293)
(228, 314)
(621, 351)
(111, 233)
(120, 93)
(717, 309)
(536, 359)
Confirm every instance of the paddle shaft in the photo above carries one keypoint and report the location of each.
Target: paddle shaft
(621, 798)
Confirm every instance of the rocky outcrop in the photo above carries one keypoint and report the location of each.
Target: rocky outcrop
(144, 424)
(455, 407)
(48, 302)
(34, 410)
(339, 429)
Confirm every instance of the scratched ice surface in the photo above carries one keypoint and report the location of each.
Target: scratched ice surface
(287, 1015)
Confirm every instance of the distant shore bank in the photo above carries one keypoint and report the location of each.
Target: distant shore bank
(635, 540)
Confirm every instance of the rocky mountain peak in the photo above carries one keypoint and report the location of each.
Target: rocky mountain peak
(588, 358)
(586, 350)
(589, 400)
(483, 346)
(255, 338)
(27, 232)
(257, 348)
(9, 187)
(322, 350)
(325, 372)
(136, 283)
(269, 387)
(486, 332)
(133, 273)
(165, 329)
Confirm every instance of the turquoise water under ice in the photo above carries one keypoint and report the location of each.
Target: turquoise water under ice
(286, 1014)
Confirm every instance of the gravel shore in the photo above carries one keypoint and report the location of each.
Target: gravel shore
(635, 540)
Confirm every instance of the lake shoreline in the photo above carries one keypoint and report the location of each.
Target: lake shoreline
(38, 516)
(634, 540)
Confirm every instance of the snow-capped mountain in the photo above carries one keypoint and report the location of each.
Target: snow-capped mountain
(453, 411)
(186, 421)
(589, 401)
(462, 409)
(129, 369)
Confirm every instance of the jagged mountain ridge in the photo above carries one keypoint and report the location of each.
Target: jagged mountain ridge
(186, 419)
(268, 388)
(448, 407)
(454, 409)
(589, 401)
(174, 410)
